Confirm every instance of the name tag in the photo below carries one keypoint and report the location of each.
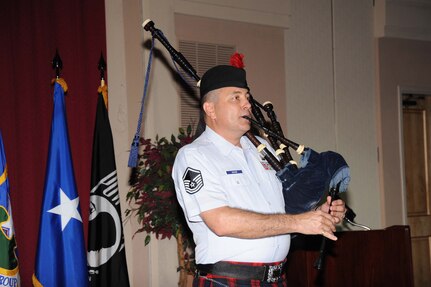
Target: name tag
(233, 171)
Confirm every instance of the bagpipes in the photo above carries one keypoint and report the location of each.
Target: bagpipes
(304, 184)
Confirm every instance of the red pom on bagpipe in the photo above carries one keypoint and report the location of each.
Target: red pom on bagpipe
(236, 60)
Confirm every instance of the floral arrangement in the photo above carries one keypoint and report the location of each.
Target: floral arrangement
(152, 195)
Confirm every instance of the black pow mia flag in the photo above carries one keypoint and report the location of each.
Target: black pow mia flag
(106, 255)
(192, 180)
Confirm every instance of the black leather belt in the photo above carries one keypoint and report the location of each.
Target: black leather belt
(266, 273)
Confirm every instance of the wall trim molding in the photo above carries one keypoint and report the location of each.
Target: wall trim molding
(244, 11)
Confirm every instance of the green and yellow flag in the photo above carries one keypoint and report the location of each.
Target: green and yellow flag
(9, 268)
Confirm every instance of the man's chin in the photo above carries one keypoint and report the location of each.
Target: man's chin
(245, 128)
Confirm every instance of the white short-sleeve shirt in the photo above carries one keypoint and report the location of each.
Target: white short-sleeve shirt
(211, 173)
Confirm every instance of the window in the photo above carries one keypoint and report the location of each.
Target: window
(201, 56)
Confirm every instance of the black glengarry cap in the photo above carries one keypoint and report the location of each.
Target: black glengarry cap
(222, 76)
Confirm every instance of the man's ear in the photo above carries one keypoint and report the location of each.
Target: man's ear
(209, 110)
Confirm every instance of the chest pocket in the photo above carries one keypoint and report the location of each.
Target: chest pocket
(235, 180)
(239, 191)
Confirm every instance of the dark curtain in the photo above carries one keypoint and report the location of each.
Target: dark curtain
(30, 33)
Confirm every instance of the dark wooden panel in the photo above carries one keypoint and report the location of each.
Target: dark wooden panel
(357, 258)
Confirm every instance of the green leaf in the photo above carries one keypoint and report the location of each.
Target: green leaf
(189, 130)
(147, 239)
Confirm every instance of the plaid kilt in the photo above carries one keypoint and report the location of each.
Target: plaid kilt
(211, 280)
(217, 281)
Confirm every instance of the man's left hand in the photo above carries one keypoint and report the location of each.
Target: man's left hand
(338, 208)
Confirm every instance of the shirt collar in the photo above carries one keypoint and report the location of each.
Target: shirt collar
(222, 144)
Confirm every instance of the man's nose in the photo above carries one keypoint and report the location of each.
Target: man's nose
(247, 104)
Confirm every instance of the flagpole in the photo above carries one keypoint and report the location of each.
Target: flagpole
(103, 89)
(57, 64)
(102, 67)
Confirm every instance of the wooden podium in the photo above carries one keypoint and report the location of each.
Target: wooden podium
(357, 258)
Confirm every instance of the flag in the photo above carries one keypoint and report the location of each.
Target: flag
(9, 267)
(60, 257)
(106, 253)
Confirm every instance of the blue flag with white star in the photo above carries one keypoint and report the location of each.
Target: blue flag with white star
(61, 255)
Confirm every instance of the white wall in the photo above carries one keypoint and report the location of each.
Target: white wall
(329, 93)
(125, 73)
(408, 19)
(355, 108)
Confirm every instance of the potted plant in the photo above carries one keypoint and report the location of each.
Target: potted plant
(152, 195)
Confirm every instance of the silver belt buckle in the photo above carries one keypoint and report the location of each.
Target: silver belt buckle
(274, 273)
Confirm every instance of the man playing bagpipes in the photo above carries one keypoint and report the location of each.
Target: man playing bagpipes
(231, 197)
